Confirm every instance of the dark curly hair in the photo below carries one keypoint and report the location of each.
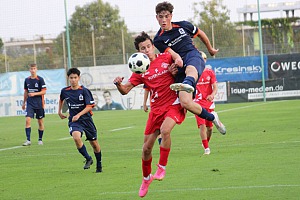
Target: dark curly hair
(164, 6)
(142, 37)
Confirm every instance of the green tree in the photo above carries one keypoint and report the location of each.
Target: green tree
(1, 43)
(212, 17)
(280, 31)
(104, 21)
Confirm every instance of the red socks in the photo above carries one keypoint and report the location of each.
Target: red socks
(146, 167)
(164, 154)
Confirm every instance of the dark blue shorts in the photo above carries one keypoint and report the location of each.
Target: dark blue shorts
(39, 113)
(193, 58)
(87, 126)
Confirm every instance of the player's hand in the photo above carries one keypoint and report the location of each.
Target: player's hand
(178, 62)
(23, 106)
(173, 69)
(210, 97)
(145, 107)
(62, 116)
(31, 94)
(213, 51)
(75, 118)
(118, 80)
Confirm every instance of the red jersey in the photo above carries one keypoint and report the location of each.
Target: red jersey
(158, 80)
(204, 88)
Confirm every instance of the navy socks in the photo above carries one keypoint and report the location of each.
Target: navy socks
(206, 115)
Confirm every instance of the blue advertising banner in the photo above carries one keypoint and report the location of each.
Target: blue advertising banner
(12, 83)
(239, 68)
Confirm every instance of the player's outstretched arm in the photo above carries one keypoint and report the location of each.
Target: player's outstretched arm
(123, 88)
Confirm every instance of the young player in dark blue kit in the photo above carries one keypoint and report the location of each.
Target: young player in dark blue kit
(176, 38)
(34, 91)
(80, 103)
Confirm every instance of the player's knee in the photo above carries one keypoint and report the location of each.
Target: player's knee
(147, 150)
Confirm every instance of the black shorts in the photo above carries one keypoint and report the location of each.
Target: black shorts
(39, 113)
(87, 126)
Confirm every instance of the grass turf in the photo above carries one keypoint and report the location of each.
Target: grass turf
(256, 159)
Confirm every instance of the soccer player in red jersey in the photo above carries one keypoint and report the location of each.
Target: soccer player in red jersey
(176, 38)
(206, 90)
(165, 111)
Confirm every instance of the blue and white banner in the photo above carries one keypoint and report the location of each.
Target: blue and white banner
(239, 68)
(12, 83)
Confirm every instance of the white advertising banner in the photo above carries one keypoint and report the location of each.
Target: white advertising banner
(12, 106)
(221, 95)
(102, 77)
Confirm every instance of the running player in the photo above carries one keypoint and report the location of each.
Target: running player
(80, 103)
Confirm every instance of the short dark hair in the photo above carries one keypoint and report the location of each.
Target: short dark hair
(33, 65)
(107, 91)
(73, 70)
(142, 37)
(164, 6)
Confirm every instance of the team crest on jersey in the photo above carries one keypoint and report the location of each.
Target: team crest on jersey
(80, 97)
(208, 78)
(164, 65)
(36, 85)
(181, 31)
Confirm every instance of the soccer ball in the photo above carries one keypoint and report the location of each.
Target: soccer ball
(138, 63)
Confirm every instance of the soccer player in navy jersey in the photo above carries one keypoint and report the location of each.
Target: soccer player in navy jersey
(80, 103)
(34, 91)
(176, 38)
(165, 110)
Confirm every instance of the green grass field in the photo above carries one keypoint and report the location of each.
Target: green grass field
(258, 158)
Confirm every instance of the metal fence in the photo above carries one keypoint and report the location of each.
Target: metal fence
(15, 55)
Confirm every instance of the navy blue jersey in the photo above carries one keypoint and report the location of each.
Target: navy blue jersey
(179, 38)
(35, 85)
(77, 100)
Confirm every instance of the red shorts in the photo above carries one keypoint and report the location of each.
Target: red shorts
(156, 117)
(201, 121)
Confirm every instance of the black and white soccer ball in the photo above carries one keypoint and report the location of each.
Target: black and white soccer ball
(138, 63)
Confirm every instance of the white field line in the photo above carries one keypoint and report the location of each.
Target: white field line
(120, 129)
(204, 189)
(65, 138)
(9, 148)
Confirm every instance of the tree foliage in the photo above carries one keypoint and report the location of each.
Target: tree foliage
(104, 21)
(280, 30)
(1, 43)
(212, 17)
